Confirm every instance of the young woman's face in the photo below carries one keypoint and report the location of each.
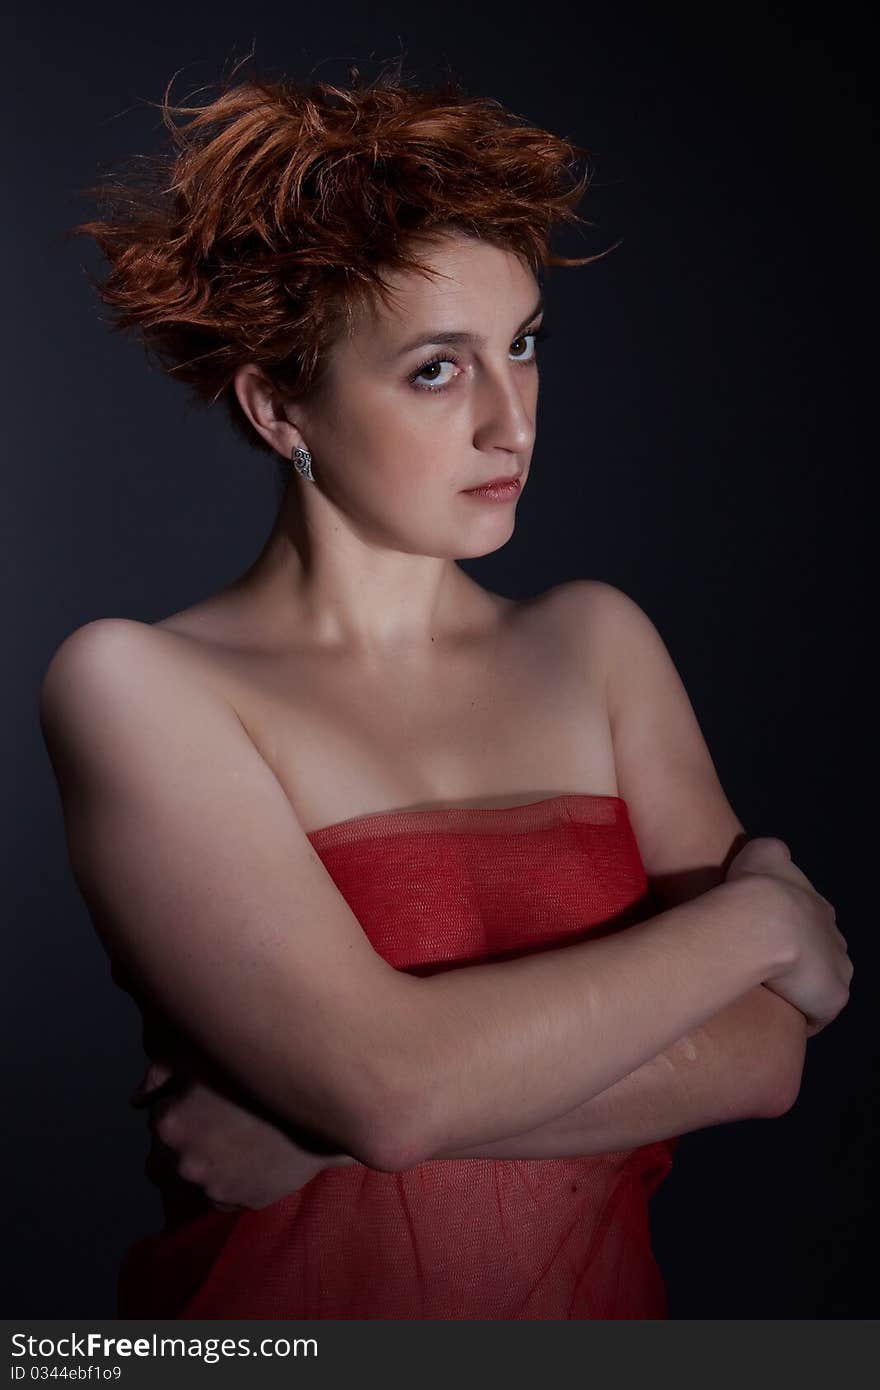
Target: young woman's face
(407, 422)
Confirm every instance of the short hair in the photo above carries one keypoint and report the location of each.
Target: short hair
(257, 235)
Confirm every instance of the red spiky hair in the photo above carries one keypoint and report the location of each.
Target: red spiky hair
(266, 224)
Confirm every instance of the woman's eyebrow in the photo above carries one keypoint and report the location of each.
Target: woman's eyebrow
(458, 336)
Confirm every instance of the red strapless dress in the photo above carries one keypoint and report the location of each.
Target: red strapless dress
(450, 1238)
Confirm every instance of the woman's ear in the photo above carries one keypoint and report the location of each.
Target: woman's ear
(261, 403)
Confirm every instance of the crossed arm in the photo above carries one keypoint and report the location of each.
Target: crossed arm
(744, 1062)
(733, 1068)
(730, 1069)
(737, 1066)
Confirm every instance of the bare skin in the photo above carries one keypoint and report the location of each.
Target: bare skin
(535, 686)
(516, 704)
(372, 674)
(374, 677)
(503, 710)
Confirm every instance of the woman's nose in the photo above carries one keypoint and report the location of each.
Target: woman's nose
(505, 417)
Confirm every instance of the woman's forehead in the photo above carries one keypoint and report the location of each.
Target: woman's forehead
(474, 285)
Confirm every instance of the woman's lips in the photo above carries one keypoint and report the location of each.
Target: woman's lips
(500, 491)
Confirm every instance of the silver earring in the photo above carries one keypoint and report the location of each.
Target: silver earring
(302, 462)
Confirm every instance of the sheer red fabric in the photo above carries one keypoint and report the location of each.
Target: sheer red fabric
(450, 1238)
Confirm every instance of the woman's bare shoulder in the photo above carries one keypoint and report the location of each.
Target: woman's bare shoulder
(585, 613)
(577, 597)
(104, 644)
(93, 637)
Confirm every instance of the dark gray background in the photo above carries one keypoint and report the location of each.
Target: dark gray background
(702, 445)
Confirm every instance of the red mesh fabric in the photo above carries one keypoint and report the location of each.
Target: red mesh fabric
(450, 1238)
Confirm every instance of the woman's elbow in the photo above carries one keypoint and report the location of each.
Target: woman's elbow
(388, 1124)
(785, 1092)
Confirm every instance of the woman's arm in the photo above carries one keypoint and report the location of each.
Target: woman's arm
(712, 1076)
(734, 1066)
(715, 1075)
(599, 1009)
(202, 881)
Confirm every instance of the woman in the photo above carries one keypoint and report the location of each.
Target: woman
(360, 836)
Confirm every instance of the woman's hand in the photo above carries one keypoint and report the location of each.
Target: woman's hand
(818, 981)
(238, 1158)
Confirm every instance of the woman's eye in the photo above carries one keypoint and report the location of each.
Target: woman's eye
(436, 383)
(524, 337)
(431, 367)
